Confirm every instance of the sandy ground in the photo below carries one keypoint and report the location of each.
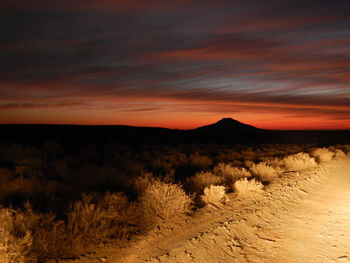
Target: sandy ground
(302, 217)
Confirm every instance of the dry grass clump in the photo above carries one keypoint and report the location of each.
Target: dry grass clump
(96, 219)
(143, 181)
(29, 237)
(245, 188)
(159, 201)
(297, 162)
(339, 154)
(27, 186)
(346, 149)
(14, 246)
(248, 164)
(322, 154)
(271, 161)
(264, 172)
(26, 236)
(49, 236)
(229, 173)
(201, 180)
(5, 176)
(202, 161)
(214, 194)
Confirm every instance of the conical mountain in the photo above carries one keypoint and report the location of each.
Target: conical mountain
(229, 125)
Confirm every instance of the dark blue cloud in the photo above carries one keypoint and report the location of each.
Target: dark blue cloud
(292, 52)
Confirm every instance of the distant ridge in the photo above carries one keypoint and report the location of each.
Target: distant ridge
(228, 125)
(226, 130)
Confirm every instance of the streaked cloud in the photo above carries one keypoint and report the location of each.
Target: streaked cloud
(204, 59)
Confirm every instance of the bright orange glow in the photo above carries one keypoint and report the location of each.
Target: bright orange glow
(179, 114)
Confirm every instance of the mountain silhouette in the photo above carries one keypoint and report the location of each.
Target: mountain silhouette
(226, 131)
(228, 125)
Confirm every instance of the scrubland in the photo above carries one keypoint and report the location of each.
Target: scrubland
(59, 202)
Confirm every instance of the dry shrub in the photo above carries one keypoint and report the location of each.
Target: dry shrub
(264, 172)
(50, 238)
(248, 154)
(339, 154)
(230, 174)
(272, 161)
(215, 194)
(159, 202)
(27, 186)
(322, 154)
(297, 162)
(248, 164)
(26, 236)
(96, 219)
(346, 148)
(5, 176)
(143, 181)
(201, 161)
(14, 245)
(201, 180)
(245, 188)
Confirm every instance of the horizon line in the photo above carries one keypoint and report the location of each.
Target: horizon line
(159, 127)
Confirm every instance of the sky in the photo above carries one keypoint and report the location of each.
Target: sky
(274, 64)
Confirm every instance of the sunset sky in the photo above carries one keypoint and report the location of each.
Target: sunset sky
(178, 64)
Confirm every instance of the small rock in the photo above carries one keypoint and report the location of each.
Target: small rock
(103, 259)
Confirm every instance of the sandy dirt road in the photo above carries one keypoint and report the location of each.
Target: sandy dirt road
(319, 229)
(303, 218)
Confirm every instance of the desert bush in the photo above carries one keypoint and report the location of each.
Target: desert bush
(271, 161)
(49, 237)
(230, 174)
(159, 202)
(245, 188)
(143, 181)
(52, 148)
(5, 176)
(339, 154)
(214, 194)
(322, 154)
(228, 156)
(201, 180)
(17, 191)
(201, 161)
(95, 219)
(26, 236)
(264, 172)
(14, 245)
(248, 154)
(297, 162)
(346, 148)
(248, 164)
(13, 152)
